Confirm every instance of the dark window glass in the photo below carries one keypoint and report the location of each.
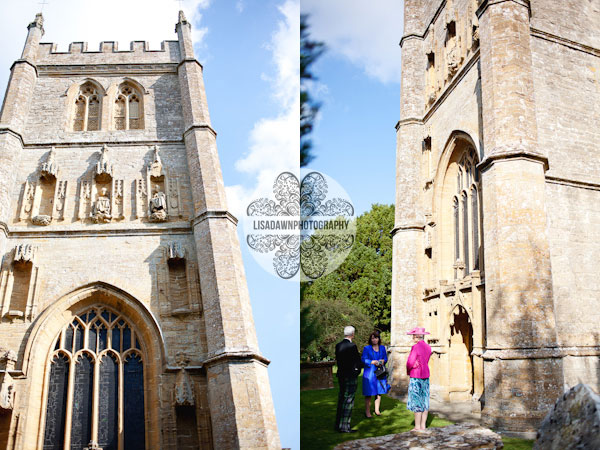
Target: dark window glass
(456, 234)
(69, 339)
(78, 338)
(54, 435)
(475, 213)
(126, 338)
(106, 377)
(116, 339)
(133, 392)
(92, 338)
(102, 339)
(465, 207)
(81, 427)
(108, 404)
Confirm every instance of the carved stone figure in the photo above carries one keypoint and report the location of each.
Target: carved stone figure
(24, 253)
(101, 209)
(42, 220)
(7, 363)
(176, 251)
(158, 205)
(184, 390)
(49, 169)
(104, 168)
(156, 166)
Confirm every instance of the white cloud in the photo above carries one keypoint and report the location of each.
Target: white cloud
(275, 141)
(367, 33)
(66, 21)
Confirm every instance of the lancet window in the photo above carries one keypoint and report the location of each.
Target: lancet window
(96, 385)
(87, 108)
(466, 215)
(128, 109)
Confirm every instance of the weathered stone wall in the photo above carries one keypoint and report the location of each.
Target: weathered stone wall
(528, 100)
(77, 163)
(567, 91)
(574, 20)
(108, 53)
(50, 115)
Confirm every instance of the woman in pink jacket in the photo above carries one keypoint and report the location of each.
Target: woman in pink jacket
(418, 371)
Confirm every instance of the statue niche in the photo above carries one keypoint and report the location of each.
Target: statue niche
(101, 197)
(157, 194)
(44, 199)
(158, 205)
(101, 208)
(18, 293)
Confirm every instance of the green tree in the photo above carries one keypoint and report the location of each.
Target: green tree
(364, 279)
(309, 52)
(329, 319)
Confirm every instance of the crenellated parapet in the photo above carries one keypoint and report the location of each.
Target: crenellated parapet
(108, 53)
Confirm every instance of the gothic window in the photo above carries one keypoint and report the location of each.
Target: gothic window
(87, 108)
(87, 399)
(128, 109)
(466, 215)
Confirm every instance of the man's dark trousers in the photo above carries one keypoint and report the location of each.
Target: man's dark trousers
(349, 363)
(345, 402)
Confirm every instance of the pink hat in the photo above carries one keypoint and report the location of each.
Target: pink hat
(418, 330)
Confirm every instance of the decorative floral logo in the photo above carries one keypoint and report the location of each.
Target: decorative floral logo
(306, 233)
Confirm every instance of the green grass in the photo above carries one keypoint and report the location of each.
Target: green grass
(317, 417)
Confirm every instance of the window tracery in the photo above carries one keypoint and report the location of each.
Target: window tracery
(87, 108)
(96, 385)
(467, 236)
(128, 109)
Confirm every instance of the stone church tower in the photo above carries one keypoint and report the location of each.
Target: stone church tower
(498, 202)
(125, 316)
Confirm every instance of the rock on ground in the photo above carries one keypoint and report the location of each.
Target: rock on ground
(573, 422)
(462, 436)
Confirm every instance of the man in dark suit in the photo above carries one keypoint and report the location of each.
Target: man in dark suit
(349, 365)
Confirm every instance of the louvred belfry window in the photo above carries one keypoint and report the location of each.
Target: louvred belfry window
(128, 109)
(96, 385)
(87, 109)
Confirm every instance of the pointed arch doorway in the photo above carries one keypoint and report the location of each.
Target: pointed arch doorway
(460, 348)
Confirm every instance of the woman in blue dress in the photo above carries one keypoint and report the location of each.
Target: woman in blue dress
(373, 355)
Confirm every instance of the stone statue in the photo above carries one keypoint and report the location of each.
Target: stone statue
(101, 209)
(156, 166)
(104, 167)
(158, 205)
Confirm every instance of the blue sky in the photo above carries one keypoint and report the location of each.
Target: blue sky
(249, 49)
(359, 88)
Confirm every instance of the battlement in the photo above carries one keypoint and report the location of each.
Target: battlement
(108, 53)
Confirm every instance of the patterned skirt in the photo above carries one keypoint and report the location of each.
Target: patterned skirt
(418, 395)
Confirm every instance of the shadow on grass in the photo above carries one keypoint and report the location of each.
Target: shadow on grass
(317, 417)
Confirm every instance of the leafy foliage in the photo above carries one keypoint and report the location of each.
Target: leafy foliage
(364, 279)
(329, 319)
(309, 52)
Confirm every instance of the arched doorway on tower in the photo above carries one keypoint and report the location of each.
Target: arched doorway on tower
(460, 348)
